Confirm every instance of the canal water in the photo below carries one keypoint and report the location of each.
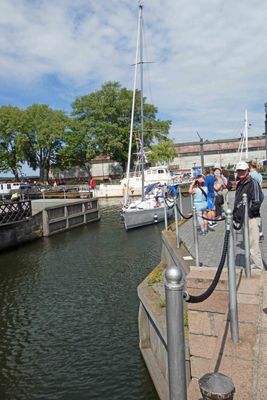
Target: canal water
(69, 308)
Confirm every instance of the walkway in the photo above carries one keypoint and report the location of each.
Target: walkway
(210, 246)
(246, 361)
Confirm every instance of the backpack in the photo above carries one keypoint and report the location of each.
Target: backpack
(229, 185)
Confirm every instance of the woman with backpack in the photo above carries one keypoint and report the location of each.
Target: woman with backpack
(227, 186)
(200, 195)
(219, 184)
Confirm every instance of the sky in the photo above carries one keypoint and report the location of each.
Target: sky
(208, 58)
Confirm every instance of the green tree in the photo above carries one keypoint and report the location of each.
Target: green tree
(42, 139)
(79, 148)
(105, 117)
(11, 155)
(162, 152)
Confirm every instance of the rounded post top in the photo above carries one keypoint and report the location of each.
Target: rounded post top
(173, 275)
(217, 386)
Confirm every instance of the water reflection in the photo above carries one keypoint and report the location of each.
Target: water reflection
(69, 313)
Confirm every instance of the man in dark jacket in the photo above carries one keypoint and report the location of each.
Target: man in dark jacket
(254, 197)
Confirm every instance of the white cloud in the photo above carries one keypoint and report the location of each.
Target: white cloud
(209, 57)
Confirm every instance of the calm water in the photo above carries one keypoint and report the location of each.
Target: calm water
(68, 322)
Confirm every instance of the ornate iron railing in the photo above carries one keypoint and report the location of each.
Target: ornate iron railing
(17, 211)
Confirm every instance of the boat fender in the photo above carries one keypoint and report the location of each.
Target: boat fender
(155, 218)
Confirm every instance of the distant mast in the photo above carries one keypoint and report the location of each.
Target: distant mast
(243, 144)
(246, 133)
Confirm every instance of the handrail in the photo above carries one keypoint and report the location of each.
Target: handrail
(17, 211)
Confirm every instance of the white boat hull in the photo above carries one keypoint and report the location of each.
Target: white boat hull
(135, 218)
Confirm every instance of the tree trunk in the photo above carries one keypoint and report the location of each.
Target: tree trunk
(16, 174)
(42, 174)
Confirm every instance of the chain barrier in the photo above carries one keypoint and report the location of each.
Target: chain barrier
(185, 194)
(198, 299)
(183, 216)
(166, 200)
(238, 227)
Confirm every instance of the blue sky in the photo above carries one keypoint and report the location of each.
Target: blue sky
(209, 58)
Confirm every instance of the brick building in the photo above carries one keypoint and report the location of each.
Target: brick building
(217, 152)
(188, 155)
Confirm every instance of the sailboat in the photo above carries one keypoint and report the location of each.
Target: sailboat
(147, 210)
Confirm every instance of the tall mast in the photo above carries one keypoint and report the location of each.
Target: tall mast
(141, 62)
(126, 195)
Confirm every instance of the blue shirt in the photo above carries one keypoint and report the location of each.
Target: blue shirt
(209, 182)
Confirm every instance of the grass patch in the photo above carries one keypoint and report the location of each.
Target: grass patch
(156, 276)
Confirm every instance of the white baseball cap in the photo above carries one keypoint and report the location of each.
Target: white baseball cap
(242, 165)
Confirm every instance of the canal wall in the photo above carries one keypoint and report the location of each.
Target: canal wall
(16, 233)
(48, 219)
(66, 216)
(152, 316)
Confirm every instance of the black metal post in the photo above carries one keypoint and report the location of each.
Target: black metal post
(216, 386)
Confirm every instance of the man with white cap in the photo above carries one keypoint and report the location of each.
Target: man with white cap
(254, 197)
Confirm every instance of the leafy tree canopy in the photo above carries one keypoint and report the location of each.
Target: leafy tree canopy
(43, 134)
(104, 116)
(79, 148)
(11, 155)
(162, 152)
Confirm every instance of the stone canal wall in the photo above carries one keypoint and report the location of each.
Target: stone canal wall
(47, 221)
(17, 233)
(152, 317)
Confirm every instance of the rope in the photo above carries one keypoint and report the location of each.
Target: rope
(166, 200)
(185, 194)
(183, 216)
(198, 299)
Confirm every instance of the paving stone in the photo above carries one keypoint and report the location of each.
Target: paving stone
(246, 361)
(244, 349)
(202, 346)
(205, 323)
(241, 373)
(199, 367)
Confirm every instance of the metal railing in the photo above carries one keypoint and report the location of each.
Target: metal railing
(214, 384)
(11, 212)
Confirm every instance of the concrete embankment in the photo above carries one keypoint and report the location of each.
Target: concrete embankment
(49, 216)
(209, 347)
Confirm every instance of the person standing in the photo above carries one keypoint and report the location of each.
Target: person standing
(157, 194)
(209, 182)
(226, 178)
(200, 194)
(248, 185)
(255, 174)
(218, 187)
(93, 185)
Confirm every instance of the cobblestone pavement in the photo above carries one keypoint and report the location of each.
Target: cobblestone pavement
(211, 245)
